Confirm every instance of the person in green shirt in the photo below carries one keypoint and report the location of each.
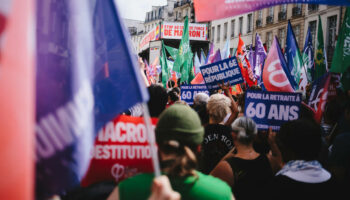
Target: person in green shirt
(179, 134)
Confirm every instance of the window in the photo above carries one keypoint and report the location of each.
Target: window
(260, 14)
(240, 25)
(268, 39)
(180, 15)
(312, 26)
(233, 22)
(271, 12)
(176, 15)
(249, 27)
(212, 34)
(282, 37)
(225, 31)
(231, 51)
(297, 33)
(331, 33)
(218, 34)
(298, 5)
(283, 8)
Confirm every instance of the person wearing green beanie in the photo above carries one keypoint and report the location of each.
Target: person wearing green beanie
(179, 135)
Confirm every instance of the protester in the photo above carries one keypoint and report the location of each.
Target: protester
(173, 96)
(340, 154)
(302, 176)
(245, 170)
(200, 101)
(217, 139)
(158, 99)
(178, 134)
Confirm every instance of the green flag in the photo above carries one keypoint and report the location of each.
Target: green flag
(184, 53)
(172, 51)
(320, 61)
(164, 65)
(341, 58)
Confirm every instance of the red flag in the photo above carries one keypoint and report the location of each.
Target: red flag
(274, 74)
(244, 64)
(17, 100)
(198, 79)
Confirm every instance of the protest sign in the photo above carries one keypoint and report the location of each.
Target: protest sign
(121, 150)
(153, 34)
(226, 70)
(189, 91)
(173, 30)
(272, 109)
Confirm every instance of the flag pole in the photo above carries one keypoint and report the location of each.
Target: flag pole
(151, 140)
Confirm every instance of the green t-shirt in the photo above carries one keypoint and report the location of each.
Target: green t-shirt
(194, 187)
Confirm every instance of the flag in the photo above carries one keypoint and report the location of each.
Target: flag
(148, 68)
(198, 79)
(172, 51)
(210, 54)
(216, 57)
(17, 102)
(203, 58)
(244, 64)
(209, 10)
(251, 57)
(294, 60)
(226, 51)
(275, 75)
(260, 56)
(165, 68)
(318, 96)
(341, 58)
(197, 64)
(308, 56)
(320, 59)
(74, 98)
(184, 53)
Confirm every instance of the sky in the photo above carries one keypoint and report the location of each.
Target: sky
(136, 9)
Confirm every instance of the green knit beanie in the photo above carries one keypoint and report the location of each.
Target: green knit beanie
(180, 123)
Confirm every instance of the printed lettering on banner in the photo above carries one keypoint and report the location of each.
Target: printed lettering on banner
(223, 71)
(272, 109)
(121, 150)
(189, 91)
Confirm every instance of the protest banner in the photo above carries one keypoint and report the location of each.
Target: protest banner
(223, 71)
(272, 109)
(121, 150)
(152, 35)
(208, 10)
(173, 30)
(189, 91)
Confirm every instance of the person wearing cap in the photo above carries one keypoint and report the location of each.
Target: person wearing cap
(245, 170)
(178, 134)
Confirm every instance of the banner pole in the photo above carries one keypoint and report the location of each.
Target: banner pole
(151, 140)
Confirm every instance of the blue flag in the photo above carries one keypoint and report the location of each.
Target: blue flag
(308, 56)
(86, 75)
(294, 60)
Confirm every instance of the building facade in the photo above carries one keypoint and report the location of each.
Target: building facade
(229, 29)
(183, 8)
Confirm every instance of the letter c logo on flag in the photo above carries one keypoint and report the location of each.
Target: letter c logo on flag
(274, 77)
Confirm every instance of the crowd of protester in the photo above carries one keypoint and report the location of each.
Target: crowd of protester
(210, 150)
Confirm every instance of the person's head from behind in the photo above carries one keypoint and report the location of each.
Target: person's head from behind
(158, 99)
(179, 134)
(244, 130)
(218, 107)
(299, 140)
(200, 99)
(173, 96)
(171, 83)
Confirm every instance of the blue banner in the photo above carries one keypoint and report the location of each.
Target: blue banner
(226, 70)
(86, 75)
(189, 91)
(272, 109)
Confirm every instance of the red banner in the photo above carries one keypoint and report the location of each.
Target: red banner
(121, 150)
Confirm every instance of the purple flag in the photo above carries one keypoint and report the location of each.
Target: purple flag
(260, 56)
(216, 57)
(210, 53)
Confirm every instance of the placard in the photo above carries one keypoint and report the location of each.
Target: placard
(173, 30)
(121, 150)
(226, 70)
(189, 91)
(272, 109)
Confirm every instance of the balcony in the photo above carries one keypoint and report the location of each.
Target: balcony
(258, 23)
(282, 16)
(296, 12)
(269, 19)
(312, 8)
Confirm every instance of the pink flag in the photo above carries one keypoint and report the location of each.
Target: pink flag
(274, 72)
(17, 99)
